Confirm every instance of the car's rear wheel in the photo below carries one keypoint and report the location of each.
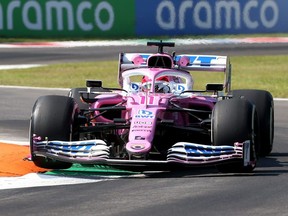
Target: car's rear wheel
(234, 120)
(263, 101)
(52, 117)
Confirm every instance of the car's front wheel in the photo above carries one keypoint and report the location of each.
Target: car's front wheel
(53, 117)
(235, 120)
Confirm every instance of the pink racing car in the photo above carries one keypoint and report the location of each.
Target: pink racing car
(155, 119)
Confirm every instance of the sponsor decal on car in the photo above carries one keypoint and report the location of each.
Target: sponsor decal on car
(143, 122)
(145, 114)
(134, 87)
(142, 126)
(142, 130)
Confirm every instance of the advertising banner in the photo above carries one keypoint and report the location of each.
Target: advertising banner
(140, 18)
(203, 17)
(69, 18)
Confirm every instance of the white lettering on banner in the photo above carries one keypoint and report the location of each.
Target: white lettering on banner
(182, 12)
(37, 25)
(10, 11)
(272, 5)
(59, 7)
(213, 16)
(171, 9)
(247, 11)
(109, 9)
(79, 14)
(57, 15)
(228, 7)
(205, 24)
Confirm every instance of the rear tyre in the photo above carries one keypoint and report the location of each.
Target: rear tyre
(234, 120)
(52, 117)
(263, 101)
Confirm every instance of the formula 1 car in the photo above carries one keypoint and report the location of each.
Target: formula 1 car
(155, 119)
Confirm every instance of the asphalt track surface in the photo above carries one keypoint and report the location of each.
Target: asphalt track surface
(75, 54)
(195, 192)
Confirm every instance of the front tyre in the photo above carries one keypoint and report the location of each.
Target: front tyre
(53, 117)
(234, 120)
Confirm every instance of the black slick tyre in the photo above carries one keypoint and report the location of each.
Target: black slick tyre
(234, 120)
(52, 117)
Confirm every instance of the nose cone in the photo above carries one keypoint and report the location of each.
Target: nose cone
(138, 147)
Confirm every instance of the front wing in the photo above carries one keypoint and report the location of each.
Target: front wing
(182, 153)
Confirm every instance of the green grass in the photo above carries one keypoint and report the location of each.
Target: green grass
(62, 75)
(259, 72)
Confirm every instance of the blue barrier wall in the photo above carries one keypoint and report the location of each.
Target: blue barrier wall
(203, 17)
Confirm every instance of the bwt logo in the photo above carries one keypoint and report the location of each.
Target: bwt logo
(180, 88)
(144, 114)
(134, 87)
(221, 14)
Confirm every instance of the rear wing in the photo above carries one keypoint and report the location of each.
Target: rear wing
(129, 61)
(133, 60)
(211, 63)
(202, 62)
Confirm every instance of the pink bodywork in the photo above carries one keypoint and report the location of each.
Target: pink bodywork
(145, 108)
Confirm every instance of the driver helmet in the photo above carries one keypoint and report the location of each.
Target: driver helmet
(161, 84)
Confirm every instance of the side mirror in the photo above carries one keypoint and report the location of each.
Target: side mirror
(214, 87)
(93, 83)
